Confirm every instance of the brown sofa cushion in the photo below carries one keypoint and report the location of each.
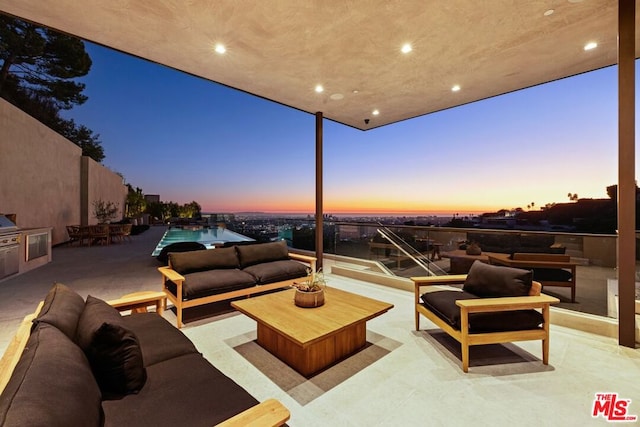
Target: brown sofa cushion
(277, 271)
(52, 384)
(62, 308)
(159, 340)
(183, 391)
(212, 282)
(488, 281)
(263, 252)
(208, 259)
(112, 349)
(443, 304)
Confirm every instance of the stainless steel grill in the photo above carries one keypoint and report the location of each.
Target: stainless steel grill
(9, 247)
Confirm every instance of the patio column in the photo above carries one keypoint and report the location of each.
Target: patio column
(626, 173)
(319, 220)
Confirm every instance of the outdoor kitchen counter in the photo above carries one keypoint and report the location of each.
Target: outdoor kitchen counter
(35, 248)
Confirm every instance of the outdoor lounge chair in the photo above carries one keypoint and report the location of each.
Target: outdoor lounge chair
(496, 305)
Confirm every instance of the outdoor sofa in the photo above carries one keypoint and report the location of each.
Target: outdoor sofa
(496, 305)
(77, 363)
(202, 277)
(511, 242)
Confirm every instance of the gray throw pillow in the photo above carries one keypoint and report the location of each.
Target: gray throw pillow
(112, 349)
(488, 281)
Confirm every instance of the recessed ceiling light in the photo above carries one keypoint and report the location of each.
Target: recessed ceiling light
(548, 12)
(406, 48)
(355, 91)
(319, 88)
(455, 88)
(336, 96)
(375, 112)
(220, 48)
(590, 45)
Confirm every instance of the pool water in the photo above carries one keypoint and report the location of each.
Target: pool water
(207, 236)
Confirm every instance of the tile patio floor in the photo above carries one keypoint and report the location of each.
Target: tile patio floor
(401, 378)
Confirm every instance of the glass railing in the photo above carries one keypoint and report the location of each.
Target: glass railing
(409, 251)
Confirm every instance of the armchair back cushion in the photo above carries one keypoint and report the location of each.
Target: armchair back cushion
(207, 259)
(264, 252)
(487, 281)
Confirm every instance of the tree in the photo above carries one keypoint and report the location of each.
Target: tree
(83, 137)
(43, 61)
(136, 203)
(37, 75)
(190, 210)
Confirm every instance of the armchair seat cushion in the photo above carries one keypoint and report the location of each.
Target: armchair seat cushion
(551, 275)
(443, 304)
(276, 271)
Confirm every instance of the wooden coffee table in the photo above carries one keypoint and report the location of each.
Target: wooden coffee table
(311, 339)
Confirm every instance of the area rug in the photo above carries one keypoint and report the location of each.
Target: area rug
(302, 389)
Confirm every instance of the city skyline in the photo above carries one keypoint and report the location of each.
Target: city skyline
(186, 139)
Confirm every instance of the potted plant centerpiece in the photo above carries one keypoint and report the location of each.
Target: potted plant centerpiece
(310, 292)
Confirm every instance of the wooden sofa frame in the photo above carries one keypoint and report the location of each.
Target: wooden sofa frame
(168, 274)
(535, 260)
(267, 413)
(535, 300)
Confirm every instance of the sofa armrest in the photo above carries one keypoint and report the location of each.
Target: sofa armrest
(311, 260)
(16, 346)
(170, 274)
(140, 301)
(268, 413)
(506, 303)
(419, 281)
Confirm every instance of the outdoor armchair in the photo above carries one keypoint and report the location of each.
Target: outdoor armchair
(496, 305)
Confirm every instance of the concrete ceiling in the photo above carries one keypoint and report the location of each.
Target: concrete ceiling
(282, 49)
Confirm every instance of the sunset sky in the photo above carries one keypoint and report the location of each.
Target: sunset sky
(187, 139)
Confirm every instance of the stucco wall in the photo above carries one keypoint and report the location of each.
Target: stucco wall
(101, 184)
(41, 175)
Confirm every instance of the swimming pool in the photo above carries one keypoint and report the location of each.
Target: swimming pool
(207, 236)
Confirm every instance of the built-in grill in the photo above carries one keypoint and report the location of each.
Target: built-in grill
(9, 247)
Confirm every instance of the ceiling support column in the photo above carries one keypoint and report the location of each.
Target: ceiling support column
(626, 173)
(319, 219)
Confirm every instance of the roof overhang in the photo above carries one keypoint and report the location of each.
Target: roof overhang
(281, 49)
